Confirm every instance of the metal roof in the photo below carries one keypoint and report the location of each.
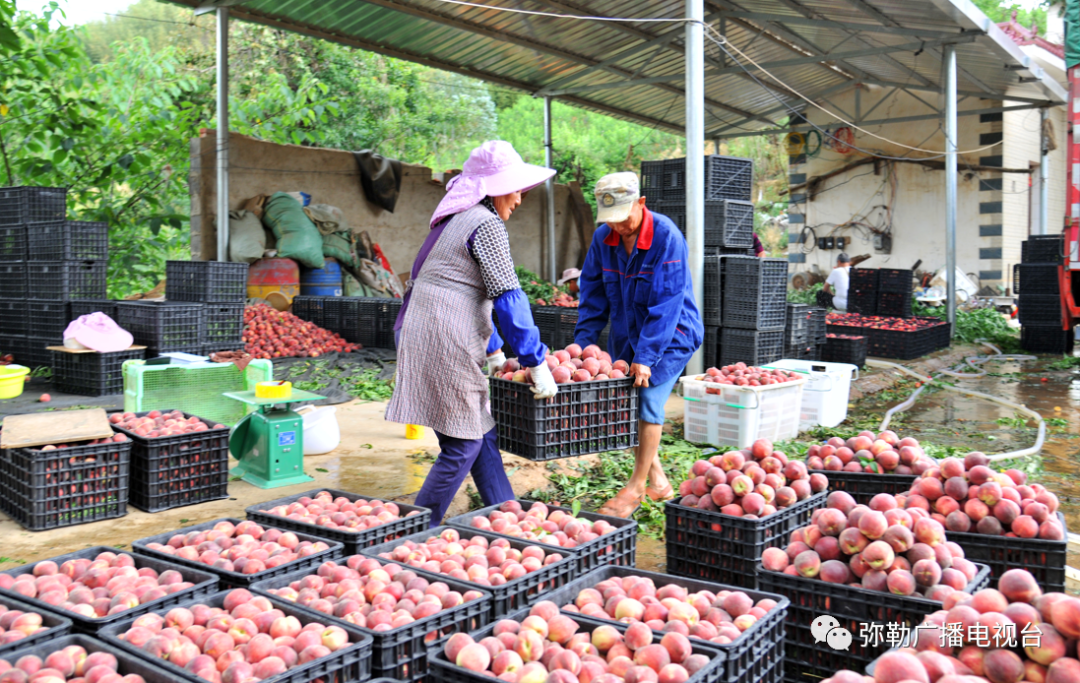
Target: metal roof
(635, 70)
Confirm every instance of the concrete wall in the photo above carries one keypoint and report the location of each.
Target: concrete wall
(331, 177)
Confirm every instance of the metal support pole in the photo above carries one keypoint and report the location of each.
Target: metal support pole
(222, 136)
(549, 193)
(949, 67)
(716, 145)
(1043, 228)
(695, 156)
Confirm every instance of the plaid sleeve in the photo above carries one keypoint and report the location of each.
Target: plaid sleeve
(490, 248)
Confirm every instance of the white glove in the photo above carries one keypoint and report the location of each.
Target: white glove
(495, 362)
(543, 383)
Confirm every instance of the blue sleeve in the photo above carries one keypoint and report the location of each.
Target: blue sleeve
(496, 342)
(517, 324)
(593, 305)
(671, 278)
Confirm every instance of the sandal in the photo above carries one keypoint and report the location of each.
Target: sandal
(660, 496)
(623, 505)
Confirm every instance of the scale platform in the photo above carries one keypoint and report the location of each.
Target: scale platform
(269, 443)
(249, 398)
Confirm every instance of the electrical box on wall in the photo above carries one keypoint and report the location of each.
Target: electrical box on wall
(883, 244)
(825, 243)
(841, 242)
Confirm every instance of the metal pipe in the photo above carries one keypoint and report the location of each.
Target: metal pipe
(695, 156)
(949, 67)
(1044, 175)
(549, 193)
(222, 135)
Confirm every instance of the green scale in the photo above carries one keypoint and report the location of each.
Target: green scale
(269, 443)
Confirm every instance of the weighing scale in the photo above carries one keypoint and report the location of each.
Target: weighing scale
(269, 443)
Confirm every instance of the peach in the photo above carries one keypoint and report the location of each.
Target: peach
(774, 559)
(1065, 616)
(637, 636)
(605, 638)
(474, 657)
(879, 555)
(1063, 671)
(808, 564)
(656, 657)
(562, 628)
(1003, 666)
(899, 665)
(834, 571)
(454, 645)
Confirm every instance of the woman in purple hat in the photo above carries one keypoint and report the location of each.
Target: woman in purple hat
(445, 333)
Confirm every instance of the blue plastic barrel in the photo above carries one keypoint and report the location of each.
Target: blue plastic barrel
(325, 281)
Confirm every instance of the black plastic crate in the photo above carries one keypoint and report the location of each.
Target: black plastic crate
(350, 664)
(1039, 309)
(712, 312)
(47, 319)
(755, 293)
(25, 204)
(223, 323)
(353, 542)
(710, 349)
(750, 346)
(1037, 279)
(744, 661)
(1044, 559)
(126, 664)
(33, 352)
(862, 486)
(729, 178)
(862, 302)
(66, 279)
(863, 279)
(583, 418)
(511, 596)
(217, 347)
(311, 308)
(63, 487)
(817, 324)
(13, 243)
(400, 653)
(204, 584)
(729, 223)
(903, 344)
(228, 579)
(724, 548)
(895, 280)
(55, 627)
(652, 180)
(162, 325)
(68, 241)
(81, 307)
(1043, 249)
(765, 314)
(373, 323)
(206, 281)
(1046, 339)
(797, 325)
(808, 660)
(618, 547)
(845, 349)
(93, 373)
(12, 280)
(343, 310)
(894, 304)
(13, 320)
(173, 471)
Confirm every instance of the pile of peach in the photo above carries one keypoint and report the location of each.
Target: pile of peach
(754, 482)
(718, 617)
(339, 513)
(372, 595)
(546, 647)
(475, 559)
(879, 547)
(108, 584)
(1012, 634)
(885, 453)
(538, 523)
(71, 664)
(245, 547)
(570, 365)
(245, 640)
(16, 624)
(966, 495)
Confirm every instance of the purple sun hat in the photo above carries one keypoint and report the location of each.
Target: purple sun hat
(493, 169)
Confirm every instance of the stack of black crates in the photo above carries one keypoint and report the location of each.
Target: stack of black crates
(800, 333)
(368, 321)
(818, 331)
(754, 309)
(1036, 284)
(862, 291)
(884, 291)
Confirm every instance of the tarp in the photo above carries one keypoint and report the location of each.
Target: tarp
(1072, 33)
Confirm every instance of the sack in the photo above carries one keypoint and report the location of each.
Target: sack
(341, 246)
(353, 287)
(247, 237)
(255, 205)
(327, 218)
(297, 237)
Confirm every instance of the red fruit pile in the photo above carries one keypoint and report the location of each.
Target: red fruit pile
(109, 584)
(966, 495)
(882, 322)
(844, 336)
(71, 664)
(339, 513)
(246, 640)
(754, 482)
(743, 375)
(1012, 634)
(156, 424)
(879, 547)
(562, 299)
(885, 453)
(718, 617)
(474, 559)
(16, 625)
(546, 647)
(245, 547)
(373, 595)
(115, 438)
(270, 333)
(538, 523)
(570, 365)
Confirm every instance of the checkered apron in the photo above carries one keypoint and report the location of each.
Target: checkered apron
(443, 345)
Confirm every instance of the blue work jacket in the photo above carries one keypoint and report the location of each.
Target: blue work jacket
(648, 295)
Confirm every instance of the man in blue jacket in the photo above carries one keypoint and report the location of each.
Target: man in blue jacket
(637, 274)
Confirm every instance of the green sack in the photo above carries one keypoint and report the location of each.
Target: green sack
(297, 237)
(338, 245)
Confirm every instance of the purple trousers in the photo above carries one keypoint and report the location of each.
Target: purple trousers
(458, 458)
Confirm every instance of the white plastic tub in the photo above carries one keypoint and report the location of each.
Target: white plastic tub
(737, 416)
(321, 431)
(828, 387)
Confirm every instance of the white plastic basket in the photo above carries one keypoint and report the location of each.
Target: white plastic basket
(825, 396)
(737, 416)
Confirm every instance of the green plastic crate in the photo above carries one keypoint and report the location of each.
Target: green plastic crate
(194, 389)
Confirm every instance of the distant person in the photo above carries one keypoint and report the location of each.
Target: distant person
(836, 286)
(759, 248)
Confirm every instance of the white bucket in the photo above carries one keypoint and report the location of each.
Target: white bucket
(321, 431)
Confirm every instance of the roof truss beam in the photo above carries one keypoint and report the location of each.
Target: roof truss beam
(845, 26)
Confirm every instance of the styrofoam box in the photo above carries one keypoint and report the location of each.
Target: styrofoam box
(825, 396)
(737, 416)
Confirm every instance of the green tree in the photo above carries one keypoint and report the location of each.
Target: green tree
(160, 24)
(999, 12)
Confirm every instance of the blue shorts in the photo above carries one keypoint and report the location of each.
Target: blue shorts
(651, 401)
